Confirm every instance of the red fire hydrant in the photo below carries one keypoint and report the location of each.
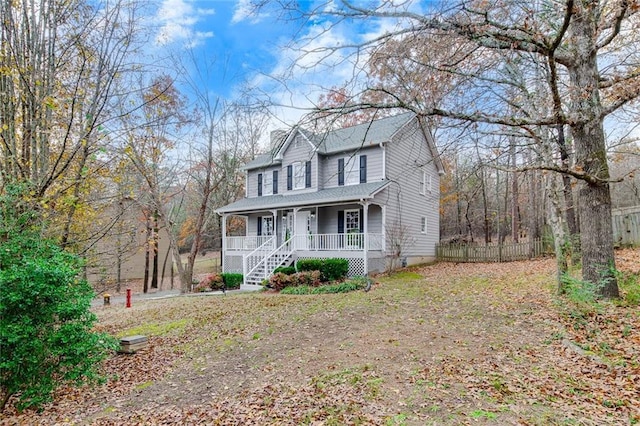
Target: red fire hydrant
(128, 298)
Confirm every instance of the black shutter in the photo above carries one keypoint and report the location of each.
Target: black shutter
(307, 174)
(363, 169)
(275, 181)
(341, 171)
(340, 221)
(259, 225)
(361, 221)
(259, 184)
(289, 177)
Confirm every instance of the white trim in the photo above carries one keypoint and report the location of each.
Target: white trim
(292, 135)
(423, 225)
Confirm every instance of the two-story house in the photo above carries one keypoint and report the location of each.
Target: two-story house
(367, 193)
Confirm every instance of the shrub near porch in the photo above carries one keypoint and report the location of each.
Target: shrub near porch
(313, 272)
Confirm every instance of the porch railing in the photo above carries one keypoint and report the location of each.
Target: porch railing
(246, 243)
(319, 242)
(258, 256)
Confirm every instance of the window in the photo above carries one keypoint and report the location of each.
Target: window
(425, 183)
(352, 170)
(351, 221)
(267, 184)
(267, 225)
(298, 175)
(423, 225)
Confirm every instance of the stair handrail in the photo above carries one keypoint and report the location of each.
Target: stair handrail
(269, 256)
(260, 249)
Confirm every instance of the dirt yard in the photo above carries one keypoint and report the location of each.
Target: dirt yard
(443, 344)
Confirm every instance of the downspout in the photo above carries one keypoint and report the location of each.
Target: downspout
(384, 159)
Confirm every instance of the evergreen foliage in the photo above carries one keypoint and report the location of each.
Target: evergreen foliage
(45, 323)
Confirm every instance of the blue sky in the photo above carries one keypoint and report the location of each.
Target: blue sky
(246, 47)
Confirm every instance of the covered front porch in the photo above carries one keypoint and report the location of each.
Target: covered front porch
(279, 237)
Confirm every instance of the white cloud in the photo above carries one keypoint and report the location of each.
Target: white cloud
(177, 20)
(245, 11)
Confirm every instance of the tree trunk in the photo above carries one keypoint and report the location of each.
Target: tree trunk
(594, 198)
(554, 214)
(515, 229)
(145, 285)
(156, 243)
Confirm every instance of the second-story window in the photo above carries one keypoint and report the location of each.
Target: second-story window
(352, 170)
(300, 173)
(267, 184)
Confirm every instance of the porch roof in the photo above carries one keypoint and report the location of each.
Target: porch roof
(340, 194)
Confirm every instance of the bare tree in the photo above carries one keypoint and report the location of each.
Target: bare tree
(60, 62)
(569, 36)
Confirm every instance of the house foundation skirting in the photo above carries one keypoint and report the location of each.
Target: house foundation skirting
(376, 260)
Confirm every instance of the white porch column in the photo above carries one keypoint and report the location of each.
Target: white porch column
(365, 228)
(223, 233)
(295, 228)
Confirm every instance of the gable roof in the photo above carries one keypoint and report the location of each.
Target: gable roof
(346, 139)
(362, 135)
(340, 194)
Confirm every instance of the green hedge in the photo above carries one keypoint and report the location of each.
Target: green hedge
(333, 269)
(287, 270)
(232, 280)
(309, 265)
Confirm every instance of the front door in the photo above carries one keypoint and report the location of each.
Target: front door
(352, 228)
(287, 229)
(302, 230)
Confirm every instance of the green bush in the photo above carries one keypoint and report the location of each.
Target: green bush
(309, 265)
(232, 280)
(297, 290)
(46, 335)
(331, 269)
(288, 270)
(344, 287)
(335, 269)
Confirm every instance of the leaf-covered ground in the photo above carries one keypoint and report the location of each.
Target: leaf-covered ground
(442, 344)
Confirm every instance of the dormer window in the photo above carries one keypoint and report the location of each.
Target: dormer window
(299, 175)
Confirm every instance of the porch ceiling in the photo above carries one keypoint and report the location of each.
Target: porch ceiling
(326, 196)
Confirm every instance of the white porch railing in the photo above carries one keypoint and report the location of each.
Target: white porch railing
(246, 243)
(251, 261)
(319, 242)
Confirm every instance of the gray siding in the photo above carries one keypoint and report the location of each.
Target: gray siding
(330, 165)
(328, 218)
(407, 156)
(300, 150)
(252, 189)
